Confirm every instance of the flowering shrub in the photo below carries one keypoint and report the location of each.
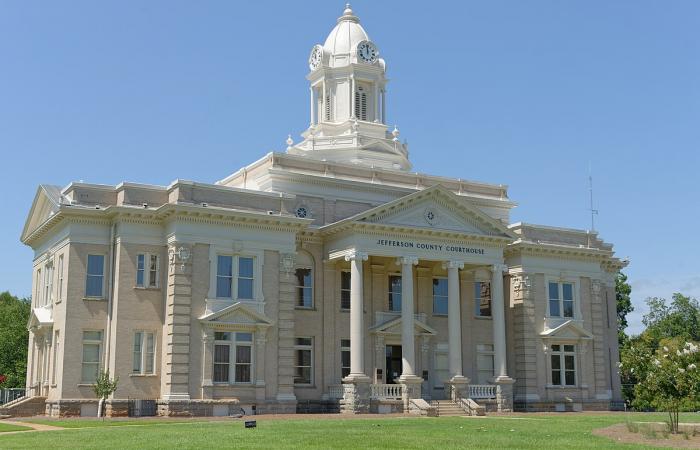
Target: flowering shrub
(668, 379)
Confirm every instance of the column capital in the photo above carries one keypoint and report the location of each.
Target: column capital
(499, 268)
(410, 260)
(453, 265)
(356, 256)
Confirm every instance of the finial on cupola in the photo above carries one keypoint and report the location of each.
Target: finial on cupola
(395, 133)
(290, 141)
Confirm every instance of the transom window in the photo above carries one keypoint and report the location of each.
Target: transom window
(344, 290)
(147, 266)
(144, 353)
(440, 296)
(344, 357)
(395, 293)
(242, 283)
(233, 349)
(94, 282)
(561, 299)
(303, 360)
(563, 360)
(482, 299)
(305, 297)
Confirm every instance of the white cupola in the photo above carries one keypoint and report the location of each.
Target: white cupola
(348, 101)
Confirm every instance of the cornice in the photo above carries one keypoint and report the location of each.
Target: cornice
(552, 250)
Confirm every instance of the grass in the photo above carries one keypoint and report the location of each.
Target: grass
(5, 427)
(99, 423)
(572, 431)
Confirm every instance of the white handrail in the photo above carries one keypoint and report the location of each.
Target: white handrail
(482, 391)
(386, 391)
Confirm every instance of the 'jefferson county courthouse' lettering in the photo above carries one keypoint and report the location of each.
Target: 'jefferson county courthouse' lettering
(326, 276)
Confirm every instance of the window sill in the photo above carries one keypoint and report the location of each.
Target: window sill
(86, 384)
(305, 386)
(439, 315)
(343, 310)
(483, 317)
(147, 288)
(143, 375)
(556, 386)
(305, 308)
(225, 384)
(94, 299)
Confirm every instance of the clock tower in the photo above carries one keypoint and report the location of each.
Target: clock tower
(348, 102)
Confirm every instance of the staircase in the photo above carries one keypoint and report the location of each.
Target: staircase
(448, 408)
(24, 407)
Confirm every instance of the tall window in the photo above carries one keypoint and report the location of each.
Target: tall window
(345, 357)
(94, 284)
(144, 353)
(482, 299)
(48, 282)
(304, 288)
(92, 355)
(440, 296)
(394, 293)
(484, 363)
(55, 357)
(361, 103)
(563, 365)
(59, 295)
(233, 349)
(224, 276)
(303, 360)
(344, 290)
(245, 278)
(147, 276)
(37, 297)
(561, 299)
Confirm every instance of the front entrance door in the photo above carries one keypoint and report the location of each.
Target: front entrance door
(393, 363)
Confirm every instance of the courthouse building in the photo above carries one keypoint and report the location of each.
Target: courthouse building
(327, 274)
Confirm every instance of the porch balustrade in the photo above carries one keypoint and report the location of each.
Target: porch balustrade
(336, 391)
(386, 391)
(482, 391)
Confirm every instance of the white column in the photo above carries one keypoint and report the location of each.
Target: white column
(352, 96)
(383, 106)
(408, 341)
(376, 102)
(324, 100)
(311, 95)
(357, 357)
(454, 319)
(499, 321)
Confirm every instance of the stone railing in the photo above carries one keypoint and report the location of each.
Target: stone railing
(482, 391)
(336, 391)
(386, 391)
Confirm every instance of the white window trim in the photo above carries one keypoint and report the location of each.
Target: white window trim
(232, 344)
(446, 297)
(258, 259)
(562, 370)
(297, 287)
(577, 303)
(144, 342)
(340, 289)
(39, 286)
(313, 359)
(479, 316)
(344, 348)
(82, 353)
(147, 271)
(389, 291)
(104, 276)
(47, 299)
(61, 268)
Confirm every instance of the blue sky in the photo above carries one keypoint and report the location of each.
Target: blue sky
(520, 93)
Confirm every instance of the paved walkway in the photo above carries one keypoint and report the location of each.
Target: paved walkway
(33, 426)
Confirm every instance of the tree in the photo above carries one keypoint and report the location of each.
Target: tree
(679, 319)
(14, 339)
(672, 379)
(624, 305)
(104, 387)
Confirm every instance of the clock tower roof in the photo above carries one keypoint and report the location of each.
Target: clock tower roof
(341, 43)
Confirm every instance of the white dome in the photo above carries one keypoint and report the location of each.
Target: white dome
(341, 44)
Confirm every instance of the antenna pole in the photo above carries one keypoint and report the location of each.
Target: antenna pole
(593, 211)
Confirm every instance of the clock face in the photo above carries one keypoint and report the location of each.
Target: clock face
(315, 57)
(367, 52)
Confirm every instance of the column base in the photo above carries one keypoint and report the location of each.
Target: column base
(504, 393)
(356, 394)
(411, 389)
(459, 387)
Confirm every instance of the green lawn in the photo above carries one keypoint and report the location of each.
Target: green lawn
(523, 432)
(4, 427)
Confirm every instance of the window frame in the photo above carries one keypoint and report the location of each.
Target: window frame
(345, 370)
(348, 289)
(256, 256)
(233, 343)
(561, 354)
(560, 300)
(304, 347)
(102, 276)
(147, 272)
(477, 300)
(482, 350)
(100, 354)
(441, 351)
(59, 293)
(301, 289)
(391, 293)
(436, 297)
(48, 284)
(144, 354)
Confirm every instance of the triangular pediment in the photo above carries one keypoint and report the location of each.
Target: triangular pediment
(434, 208)
(237, 314)
(567, 330)
(393, 327)
(46, 203)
